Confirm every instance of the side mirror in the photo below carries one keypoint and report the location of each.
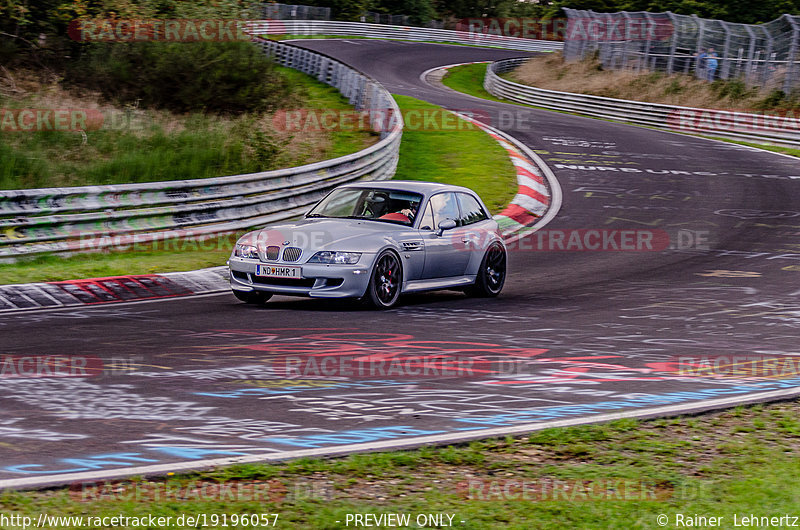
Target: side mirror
(447, 224)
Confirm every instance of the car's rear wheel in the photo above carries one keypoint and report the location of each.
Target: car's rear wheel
(492, 273)
(252, 297)
(386, 280)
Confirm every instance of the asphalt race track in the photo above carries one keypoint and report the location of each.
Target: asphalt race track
(577, 335)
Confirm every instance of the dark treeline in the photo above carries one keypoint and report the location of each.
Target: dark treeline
(38, 28)
(744, 11)
(225, 77)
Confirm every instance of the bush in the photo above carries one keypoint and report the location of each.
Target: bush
(674, 87)
(776, 98)
(222, 77)
(733, 89)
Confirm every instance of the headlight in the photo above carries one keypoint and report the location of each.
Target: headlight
(245, 251)
(339, 258)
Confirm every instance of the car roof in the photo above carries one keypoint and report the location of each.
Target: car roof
(408, 185)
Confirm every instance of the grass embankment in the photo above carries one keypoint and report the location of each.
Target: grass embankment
(588, 77)
(468, 79)
(141, 258)
(149, 146)
(456, 153)
(171, 147)
(623, 474)
(453, 152)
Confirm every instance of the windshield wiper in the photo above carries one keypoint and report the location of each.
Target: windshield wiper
(315, 215)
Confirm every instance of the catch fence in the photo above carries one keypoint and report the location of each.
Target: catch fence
(764, 55)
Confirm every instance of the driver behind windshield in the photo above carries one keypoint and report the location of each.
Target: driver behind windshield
(403, 211)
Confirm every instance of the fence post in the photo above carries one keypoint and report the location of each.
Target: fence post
(751, 51)
(791, 59)
(765, 65)
(651, 28)
(701, 28)
(726, 49)
(673, 45)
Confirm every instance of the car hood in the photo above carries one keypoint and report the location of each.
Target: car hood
(313, 235)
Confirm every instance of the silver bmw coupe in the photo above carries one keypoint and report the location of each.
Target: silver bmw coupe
(375, 241)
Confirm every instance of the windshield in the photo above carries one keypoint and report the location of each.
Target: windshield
(392, 206)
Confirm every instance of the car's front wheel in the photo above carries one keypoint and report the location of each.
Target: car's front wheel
(386, 280)
(492, 273)
(252, 297)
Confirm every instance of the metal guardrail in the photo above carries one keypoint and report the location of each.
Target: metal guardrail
(782, 130)
(35, 221)
(382, 31)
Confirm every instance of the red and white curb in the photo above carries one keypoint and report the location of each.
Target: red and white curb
(97, 291)
(533, 196)
(538, 197)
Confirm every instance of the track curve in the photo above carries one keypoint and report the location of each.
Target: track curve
(575, 335)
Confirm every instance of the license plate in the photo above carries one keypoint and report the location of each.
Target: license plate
(274, 271)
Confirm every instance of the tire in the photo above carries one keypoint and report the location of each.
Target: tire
(252, 297)
(386, 281)
(491, 274)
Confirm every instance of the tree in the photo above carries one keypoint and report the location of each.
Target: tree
(474, 8)
(419, 11)
(344, 9)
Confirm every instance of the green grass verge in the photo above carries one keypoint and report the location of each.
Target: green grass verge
(164, 146)
(318, 95)
(454, 153)
(767, 147)
(163, 256)
(739, 462)
(462, 155)
(468, 79)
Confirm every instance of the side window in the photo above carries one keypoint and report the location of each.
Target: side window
(471, 211)
(445, 207)
(427, 218)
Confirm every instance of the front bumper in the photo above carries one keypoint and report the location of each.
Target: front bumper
(317, 281)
